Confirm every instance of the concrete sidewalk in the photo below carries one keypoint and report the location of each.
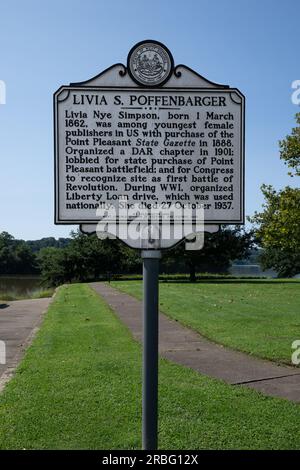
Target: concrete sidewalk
(19, 321)
(188, 348)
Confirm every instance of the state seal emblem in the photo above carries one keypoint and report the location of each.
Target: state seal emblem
(150, 63)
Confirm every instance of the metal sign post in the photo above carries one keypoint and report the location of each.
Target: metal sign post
(150, 348)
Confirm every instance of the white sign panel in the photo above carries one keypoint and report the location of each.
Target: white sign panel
(149, 145)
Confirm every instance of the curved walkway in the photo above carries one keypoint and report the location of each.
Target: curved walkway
(188, 348)
(19, 321)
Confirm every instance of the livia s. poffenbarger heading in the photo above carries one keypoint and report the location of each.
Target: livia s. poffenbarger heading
(149, 100)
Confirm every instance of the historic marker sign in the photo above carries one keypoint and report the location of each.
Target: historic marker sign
(152, 134)
(149, 134)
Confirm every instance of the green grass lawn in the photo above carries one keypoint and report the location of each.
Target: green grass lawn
(260, 317)
(79, 387)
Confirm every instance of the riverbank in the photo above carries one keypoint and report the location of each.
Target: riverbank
(16, 287)
(37, 294)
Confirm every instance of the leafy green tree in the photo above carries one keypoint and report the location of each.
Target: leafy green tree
(131, 261)
(86, 258)
(7, 260)
(55, 266)
(6, 239)
(278, 230)
(93, 257)
(277, 226)
(219, 250)
(290, 149)
(26, 262)
(15, 256)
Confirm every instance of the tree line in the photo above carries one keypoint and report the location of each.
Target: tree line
(276, 231)
(85, 257)
(21, 257)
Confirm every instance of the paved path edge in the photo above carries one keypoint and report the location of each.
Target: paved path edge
(10, 370)
(186, 347)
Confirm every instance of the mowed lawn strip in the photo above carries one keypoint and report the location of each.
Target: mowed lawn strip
(259, 317)
(79, 387)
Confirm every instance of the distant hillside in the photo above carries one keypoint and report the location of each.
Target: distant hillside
(37, 245)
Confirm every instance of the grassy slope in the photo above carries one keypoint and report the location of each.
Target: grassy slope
(258, 317)
(80, 387)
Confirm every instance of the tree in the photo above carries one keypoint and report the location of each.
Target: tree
(278, 230)
(26, 262)
(93, 257)
(290, 149)
(277, 226)
(55, 266)
(5, 239)
(15, 256)
(86, 258)
(219, 250)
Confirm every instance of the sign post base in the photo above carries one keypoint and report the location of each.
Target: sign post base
(150, 348)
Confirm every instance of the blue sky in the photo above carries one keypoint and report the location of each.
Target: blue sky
(252, 45)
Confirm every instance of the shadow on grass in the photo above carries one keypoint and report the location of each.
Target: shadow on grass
(4, 306)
